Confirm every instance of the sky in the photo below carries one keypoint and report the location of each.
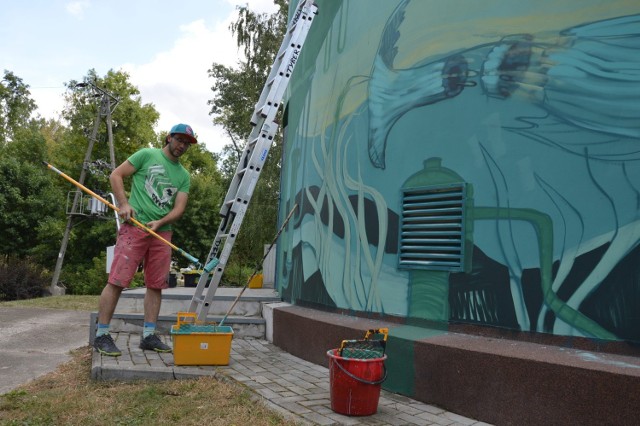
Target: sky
(165, 46)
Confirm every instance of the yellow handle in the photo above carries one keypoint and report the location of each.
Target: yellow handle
(132, 219)
(383, 331)
(186, 318)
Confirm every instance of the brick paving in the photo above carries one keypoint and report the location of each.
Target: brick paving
(296, 388)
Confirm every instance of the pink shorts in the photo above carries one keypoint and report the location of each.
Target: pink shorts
(132, 247)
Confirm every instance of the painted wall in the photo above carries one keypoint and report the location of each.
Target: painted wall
(476, 162)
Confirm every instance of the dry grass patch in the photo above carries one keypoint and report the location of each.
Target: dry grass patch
(69, 397)
(69, 302)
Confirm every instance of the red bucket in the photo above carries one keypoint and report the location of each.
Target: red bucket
(355, 384)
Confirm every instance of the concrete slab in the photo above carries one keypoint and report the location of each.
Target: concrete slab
(35, 341)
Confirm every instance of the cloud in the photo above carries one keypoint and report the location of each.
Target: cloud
(259, 6)
(77, 8)
(177, 81)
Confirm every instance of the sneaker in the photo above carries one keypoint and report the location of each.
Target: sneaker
(105, 346)
(153, 343)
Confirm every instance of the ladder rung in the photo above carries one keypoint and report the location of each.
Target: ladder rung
(278, 60)
(262, 111)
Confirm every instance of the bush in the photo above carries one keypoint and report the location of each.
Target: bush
(85, 281)
(91, 281)
(21, 279)
(236, 275)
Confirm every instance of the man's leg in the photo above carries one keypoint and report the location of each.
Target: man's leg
(108, 301)
(157, 263)
(152, 303)
(103, 342)
(149, 339)
(128, 253)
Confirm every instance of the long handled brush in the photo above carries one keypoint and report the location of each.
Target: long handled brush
(133, 220)
(259, 265)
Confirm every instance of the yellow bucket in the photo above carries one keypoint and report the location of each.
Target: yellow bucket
(256, 281)
(195, 343)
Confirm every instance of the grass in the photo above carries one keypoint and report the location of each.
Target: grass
(73, 303)
(68, 396)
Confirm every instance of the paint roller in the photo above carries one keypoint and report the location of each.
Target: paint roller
(133, 220)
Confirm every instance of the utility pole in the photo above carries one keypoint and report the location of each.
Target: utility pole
(108, 102)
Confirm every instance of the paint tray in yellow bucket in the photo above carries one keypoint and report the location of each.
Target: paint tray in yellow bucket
(198, 343)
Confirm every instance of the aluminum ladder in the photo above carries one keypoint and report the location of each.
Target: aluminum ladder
(254, 155)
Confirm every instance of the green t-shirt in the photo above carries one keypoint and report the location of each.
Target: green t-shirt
(156, 183)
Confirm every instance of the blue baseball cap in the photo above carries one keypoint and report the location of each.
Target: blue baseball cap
(184, 129)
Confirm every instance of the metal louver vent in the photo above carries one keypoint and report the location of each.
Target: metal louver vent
(432, 234)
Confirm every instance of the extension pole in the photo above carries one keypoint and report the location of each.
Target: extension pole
(255, 271)
(132, 219)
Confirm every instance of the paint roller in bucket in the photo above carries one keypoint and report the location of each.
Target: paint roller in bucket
(133, 220)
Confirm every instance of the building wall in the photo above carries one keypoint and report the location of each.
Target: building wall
(468, 162)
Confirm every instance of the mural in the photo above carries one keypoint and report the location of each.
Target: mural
(476, 164)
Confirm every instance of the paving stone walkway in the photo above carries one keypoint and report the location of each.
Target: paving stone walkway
(292, 386)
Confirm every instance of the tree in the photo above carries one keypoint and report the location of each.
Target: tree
(132, 121)
(28, 198)
(16, 106)
(236, 91)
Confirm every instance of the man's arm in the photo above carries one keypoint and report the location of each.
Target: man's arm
(117, 186)
(179, 205)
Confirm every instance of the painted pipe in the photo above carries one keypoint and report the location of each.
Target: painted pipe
(132, 219)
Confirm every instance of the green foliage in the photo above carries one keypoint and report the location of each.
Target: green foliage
(16, 106)
(86, 280)
(132, 121)
(132, 125)
(21, 279)
(90, 280)
(237, 275)
(45, 249)
(28, 144)
(260, 35)
(89, 239)
(27, 198)
(195, 230)
(236, 91)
